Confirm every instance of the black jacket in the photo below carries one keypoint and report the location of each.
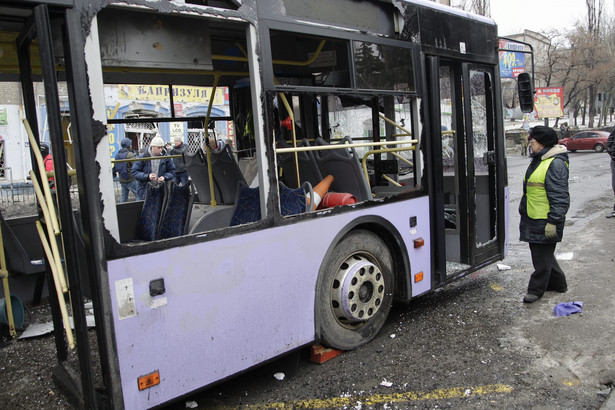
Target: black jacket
(610, 145)
(180, 165)
(556, 185)
(141, 169)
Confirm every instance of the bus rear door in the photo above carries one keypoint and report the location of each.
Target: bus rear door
(464, 95)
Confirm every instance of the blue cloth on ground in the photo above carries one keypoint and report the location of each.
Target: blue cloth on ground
(568, 308)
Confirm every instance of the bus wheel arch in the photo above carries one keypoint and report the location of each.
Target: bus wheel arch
(355, 288)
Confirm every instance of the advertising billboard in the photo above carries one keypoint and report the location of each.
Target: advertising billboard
(512, 59)
(549, 102)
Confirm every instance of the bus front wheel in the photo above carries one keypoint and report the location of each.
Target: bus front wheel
(355, 291)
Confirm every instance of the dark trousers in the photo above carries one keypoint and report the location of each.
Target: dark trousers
(181, 178)
(547, 273)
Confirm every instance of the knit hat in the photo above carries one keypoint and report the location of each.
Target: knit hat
(157, 142)
(126, 143)
(178, 138)
(44, 149)
(544, 135)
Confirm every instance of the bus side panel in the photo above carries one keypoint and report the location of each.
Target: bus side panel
(233, 303)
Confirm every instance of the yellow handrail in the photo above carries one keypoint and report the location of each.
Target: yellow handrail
(41, 167)
(55, 274)
(292, 121)
(47, 215)
(210, 173)
(343, 146)
(380, 151)
(4, 274)
(394, 124)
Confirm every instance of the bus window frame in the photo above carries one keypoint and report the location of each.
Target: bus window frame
(350, 36)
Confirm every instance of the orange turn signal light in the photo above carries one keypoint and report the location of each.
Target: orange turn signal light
(149, 380)
(418, 277)
(418, 242)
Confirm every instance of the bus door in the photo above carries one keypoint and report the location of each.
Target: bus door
(467, 128)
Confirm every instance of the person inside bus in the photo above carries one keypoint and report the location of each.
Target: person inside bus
(543, 210)
(48, 162)
(179, 148)
(127, 181)
(155, 171)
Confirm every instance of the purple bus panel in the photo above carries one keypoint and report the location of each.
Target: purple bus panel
(233, 303)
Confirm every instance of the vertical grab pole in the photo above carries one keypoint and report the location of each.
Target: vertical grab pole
(210, 172)
(292, 120)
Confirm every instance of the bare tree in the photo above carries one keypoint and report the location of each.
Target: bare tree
(482, 7)
(590, 37)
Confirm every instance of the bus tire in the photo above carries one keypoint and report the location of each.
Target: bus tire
(354, 291)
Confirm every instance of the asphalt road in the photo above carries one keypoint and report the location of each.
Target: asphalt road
(473, 344)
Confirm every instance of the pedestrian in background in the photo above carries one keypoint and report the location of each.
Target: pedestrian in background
(564, 130)
(610, 148)
(179, 148)
(525, 135)
(48, 162)
(154, 171)
(127, 181)
(543, 210)
(524, 143)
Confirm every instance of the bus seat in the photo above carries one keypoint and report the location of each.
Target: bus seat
(128, 216)
(214, 218)
(293, 201)
(345, 166)
(247, 205)
(155, 197)
(248, 209)
(308, 168)
(226, 174)
(176, 215)
(196, 165)
(19, 262)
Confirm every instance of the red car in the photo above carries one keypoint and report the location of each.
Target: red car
(595, 140)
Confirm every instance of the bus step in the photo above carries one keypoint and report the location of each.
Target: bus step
(320, 354)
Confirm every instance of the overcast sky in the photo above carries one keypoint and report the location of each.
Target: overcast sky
(513, 17)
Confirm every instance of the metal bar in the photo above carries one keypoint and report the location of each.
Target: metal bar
(346, 145)
(210, 173)
(380, 151)
(163, 119)
(294, 133)
(115, 161)
(54, 261)
(90, 210)
(4, 274)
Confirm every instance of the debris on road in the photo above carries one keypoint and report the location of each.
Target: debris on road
(567, 308)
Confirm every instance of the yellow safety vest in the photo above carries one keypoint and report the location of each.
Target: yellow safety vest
(536, 195)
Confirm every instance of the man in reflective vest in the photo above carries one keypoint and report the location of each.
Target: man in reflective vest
(543, 210)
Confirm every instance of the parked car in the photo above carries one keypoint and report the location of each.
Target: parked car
(595, 140)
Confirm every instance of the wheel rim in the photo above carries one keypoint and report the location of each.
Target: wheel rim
(357, 292)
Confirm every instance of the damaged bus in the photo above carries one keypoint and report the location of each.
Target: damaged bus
(342, 156)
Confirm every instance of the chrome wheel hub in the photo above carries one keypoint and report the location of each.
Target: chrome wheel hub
(357, 291)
